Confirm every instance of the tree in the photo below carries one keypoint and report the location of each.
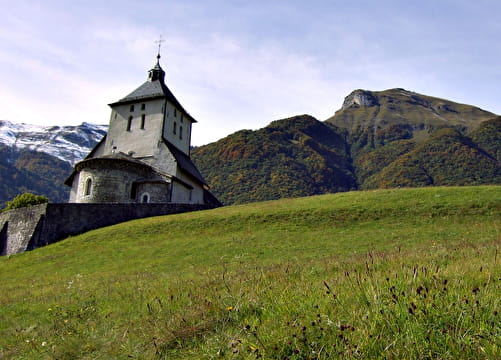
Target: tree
(25, 200)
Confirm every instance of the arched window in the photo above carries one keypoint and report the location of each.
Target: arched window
(143, 119)
(145, 198)
(88, 187)
(181, 132)
(129, 123)
(174, 129)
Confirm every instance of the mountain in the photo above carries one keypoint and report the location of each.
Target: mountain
(375, 118)
(378, 139)
(67, 143)
(293, 157)
(38, 159)
(382, 139)
(402, 138)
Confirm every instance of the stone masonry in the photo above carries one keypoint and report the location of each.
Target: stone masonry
(36, 226)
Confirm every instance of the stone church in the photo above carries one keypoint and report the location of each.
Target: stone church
(145, 157)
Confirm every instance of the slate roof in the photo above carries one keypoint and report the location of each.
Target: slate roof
(153, 88)
(184, 161)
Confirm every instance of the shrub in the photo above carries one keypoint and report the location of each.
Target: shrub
(25, 200)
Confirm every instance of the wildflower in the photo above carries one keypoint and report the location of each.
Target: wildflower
(44, 343)
(229, 308)
(49, 309)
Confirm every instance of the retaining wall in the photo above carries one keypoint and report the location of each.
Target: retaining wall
(32, 227)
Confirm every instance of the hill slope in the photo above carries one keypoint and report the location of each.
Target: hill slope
(382, 274)
(35, 172)
(293, 157)
(383, 139)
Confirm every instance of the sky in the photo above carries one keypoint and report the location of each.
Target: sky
(240, 64)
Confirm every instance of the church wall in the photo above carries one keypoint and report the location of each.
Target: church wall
(140, 141)
(177, 129)
(197, 194)
(74, 188)
(108, 184)
(182, 194)
(99, 149)
(156, 192)
(163, 160)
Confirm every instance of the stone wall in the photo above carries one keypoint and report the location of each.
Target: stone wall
(29, 228)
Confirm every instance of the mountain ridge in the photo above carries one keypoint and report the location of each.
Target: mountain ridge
(69, 143)
(386, 138)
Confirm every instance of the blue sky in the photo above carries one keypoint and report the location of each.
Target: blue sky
(242, 64)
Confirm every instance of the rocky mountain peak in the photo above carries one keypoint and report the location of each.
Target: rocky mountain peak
(360, 97)
(67, 143)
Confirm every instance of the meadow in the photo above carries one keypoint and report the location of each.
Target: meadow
(385, 274)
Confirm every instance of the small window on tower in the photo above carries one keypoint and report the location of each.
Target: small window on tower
(131, 108)
(174, 129)
(129, 123)
(88, 187)
(143, 119)
(181, 132)
(143, 106)
(175, 112)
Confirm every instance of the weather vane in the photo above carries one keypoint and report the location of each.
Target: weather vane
(159, 42)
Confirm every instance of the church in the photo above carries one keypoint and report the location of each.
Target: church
(145, 156)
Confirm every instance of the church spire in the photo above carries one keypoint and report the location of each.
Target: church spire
(157, 73)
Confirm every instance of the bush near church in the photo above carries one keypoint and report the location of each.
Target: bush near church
(25, 200)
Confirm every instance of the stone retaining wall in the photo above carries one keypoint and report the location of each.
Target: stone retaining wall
(32, 227)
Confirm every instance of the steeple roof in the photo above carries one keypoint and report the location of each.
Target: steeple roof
(153, 88)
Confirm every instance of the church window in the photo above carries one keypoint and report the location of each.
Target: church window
(145, 198)
(181, 132)
(143, 119)
(133, 191)
(175, 112)
(129, 123)
(174, 129)
(131, 108)
(143, 106)
(88, 187)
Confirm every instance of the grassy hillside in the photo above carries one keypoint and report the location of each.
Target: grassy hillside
(406, 273)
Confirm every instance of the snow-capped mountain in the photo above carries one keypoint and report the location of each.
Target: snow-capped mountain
(68, 143)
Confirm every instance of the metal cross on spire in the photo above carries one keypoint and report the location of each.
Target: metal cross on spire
(159, 42)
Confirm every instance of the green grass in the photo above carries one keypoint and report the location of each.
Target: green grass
(393, 274)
